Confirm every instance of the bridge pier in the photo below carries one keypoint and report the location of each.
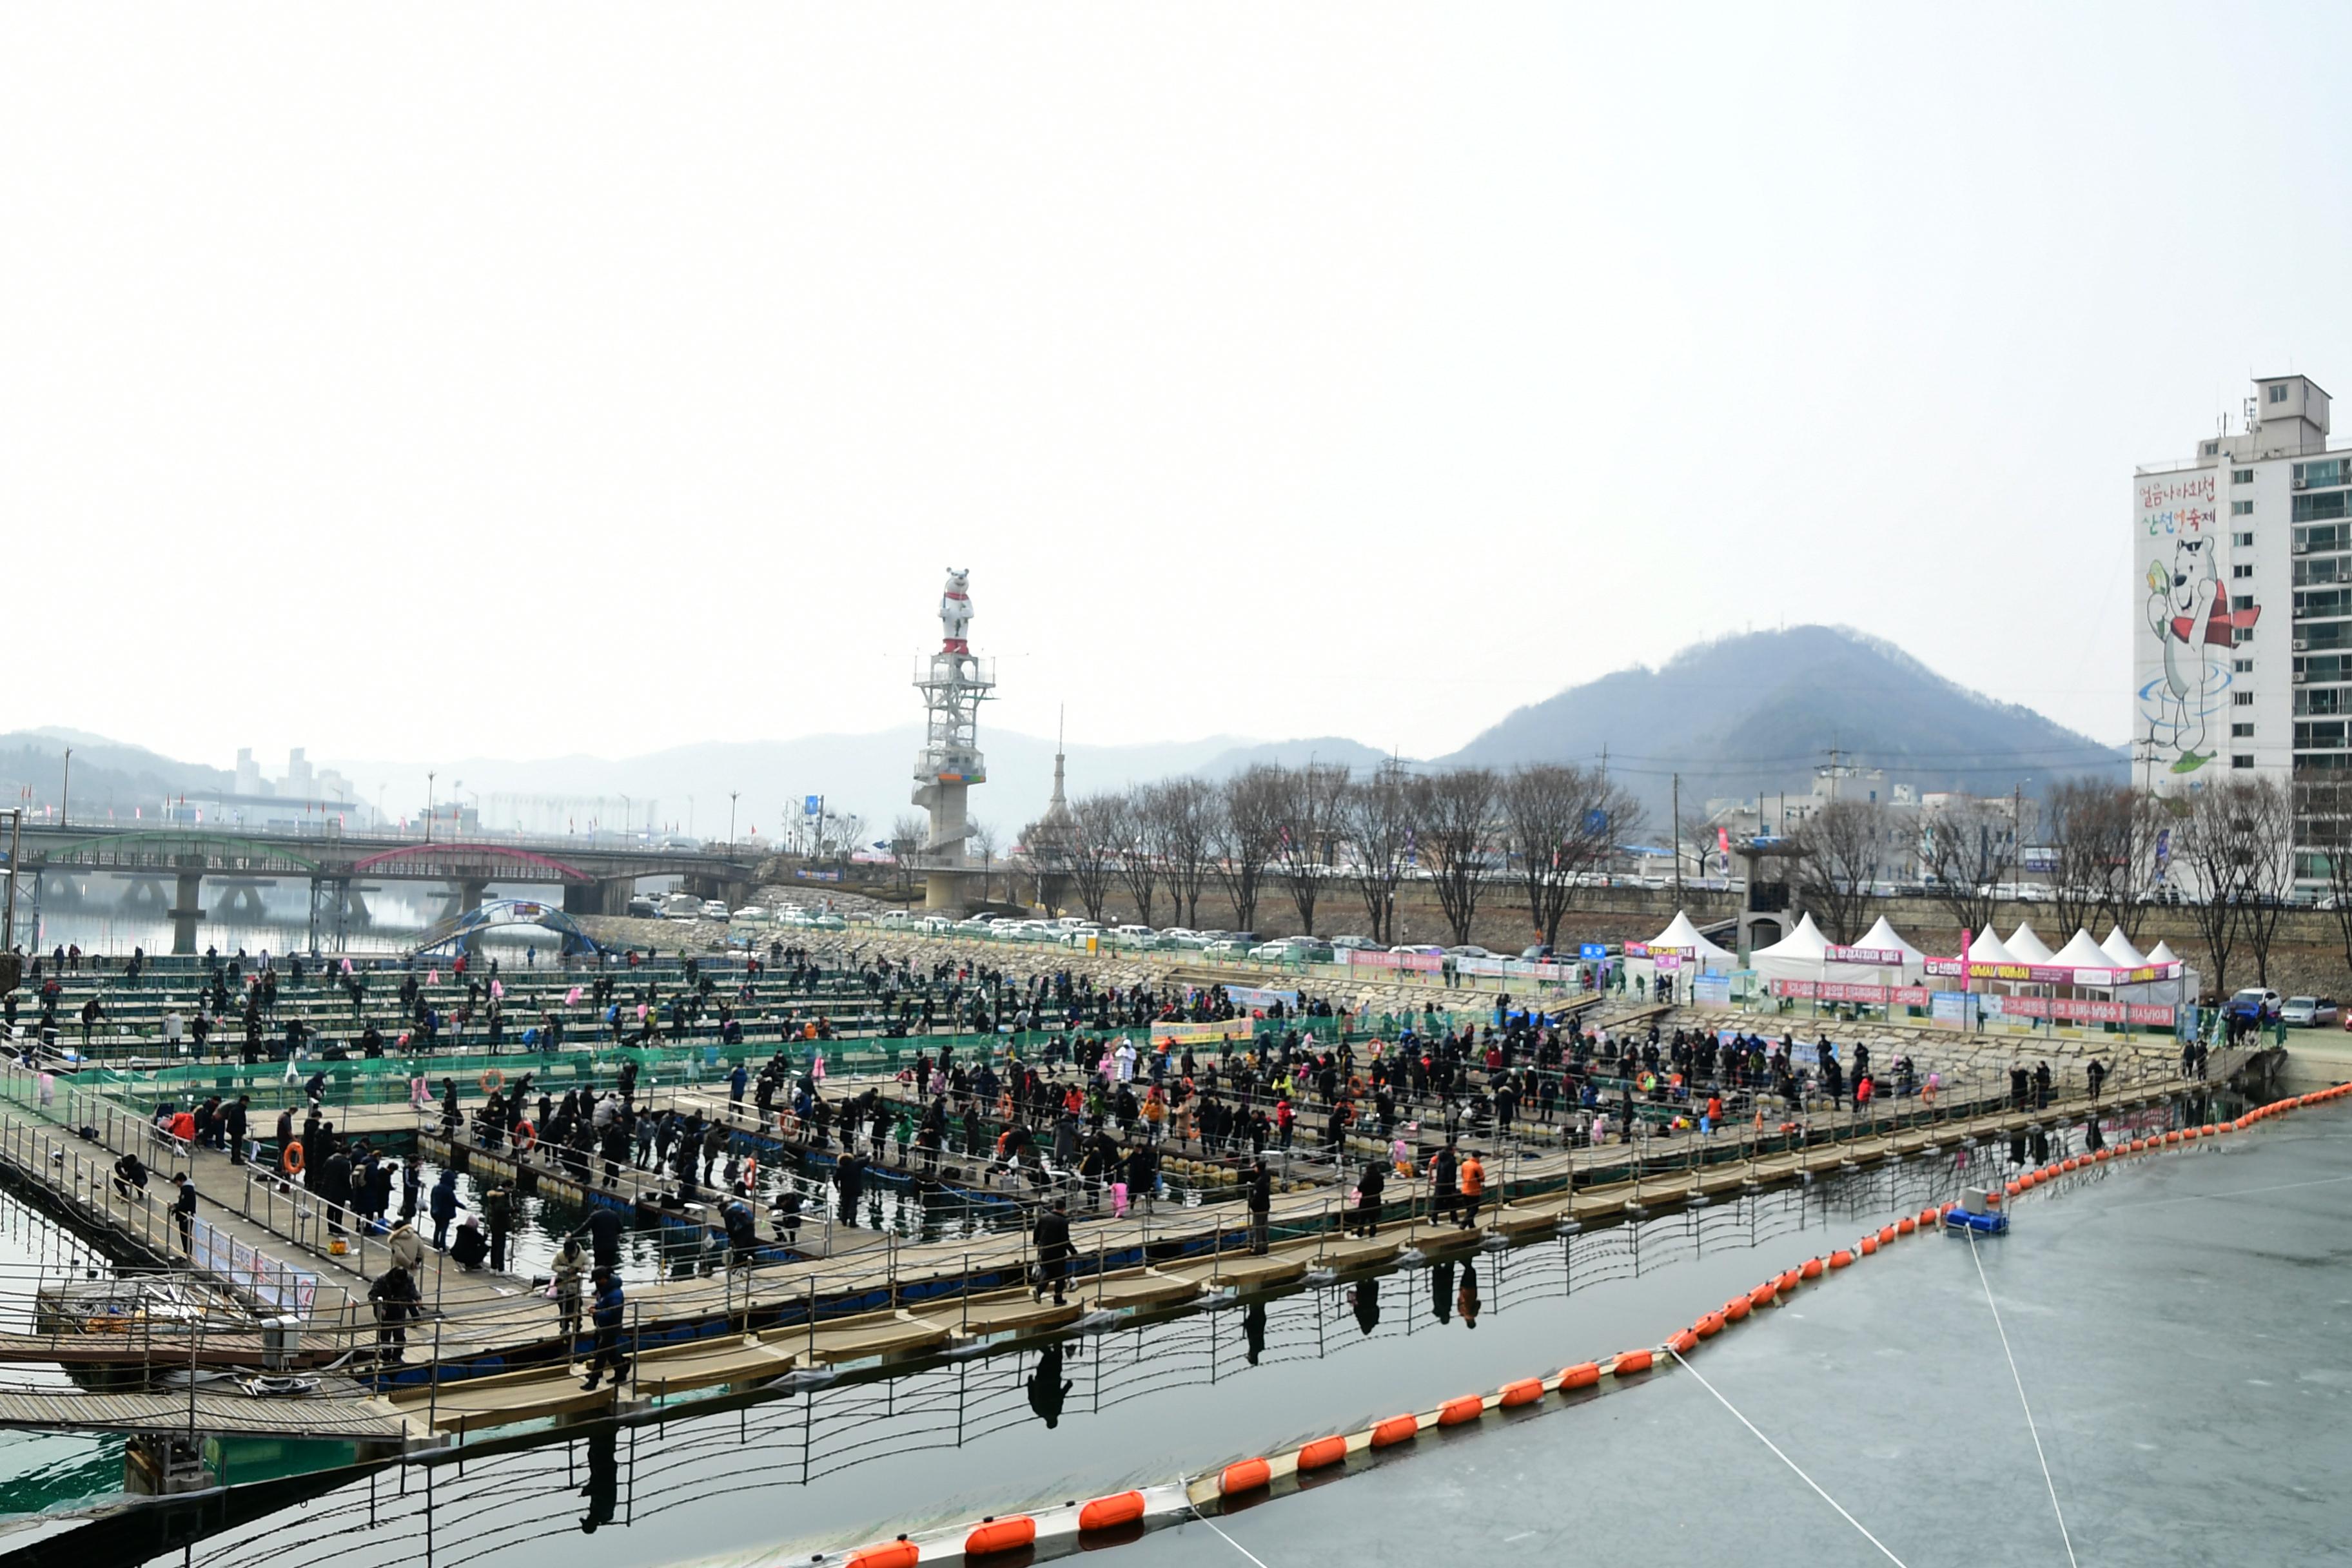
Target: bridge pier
(609, 896)
(243, 901)
(187, 909)
(145, 895)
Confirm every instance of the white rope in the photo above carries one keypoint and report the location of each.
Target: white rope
(1212, 1523)
(2062, 1533)
(1784, 1458)
(2234, 1193)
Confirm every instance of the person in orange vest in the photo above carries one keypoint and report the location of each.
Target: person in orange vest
(1473, 1176)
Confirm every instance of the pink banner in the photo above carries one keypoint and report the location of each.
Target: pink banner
(1830, 991)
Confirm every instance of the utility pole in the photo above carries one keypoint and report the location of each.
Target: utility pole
(65, 792)
(1678, 840)
(730, 819)
(429, 807)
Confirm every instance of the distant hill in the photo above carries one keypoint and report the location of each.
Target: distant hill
(107, 775)
(1760, 711)
(1748, 714)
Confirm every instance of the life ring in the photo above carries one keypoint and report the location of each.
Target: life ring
(751, 1173)
(290, 1159)
(493, 1081)
(526, 1137)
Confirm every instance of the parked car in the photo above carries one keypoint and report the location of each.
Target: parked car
(1223, 948)
(750, 915)
(2255, 1003)
(2309, 1012)
(1469, 950)
(1356, 943)
(716, 910)
(681, 907)
(1423, 948)
(643, 910)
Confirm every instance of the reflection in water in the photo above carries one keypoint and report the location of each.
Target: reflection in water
(690, 1476)
(603, 1489)
(1048, 1390)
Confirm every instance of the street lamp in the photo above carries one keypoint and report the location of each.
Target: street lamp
(429, 806)
(730, 818)
(65, 792)
(628, 830)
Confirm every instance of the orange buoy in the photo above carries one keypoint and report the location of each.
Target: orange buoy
(1867, 1244)
(1788, 1281)
(899, 1553)
(1007, 1535)
(1583, 1375)
(2014, 1188)
(1322, 1453)
(1930, 1215)
(1841, 1257)
(1735, 1309)
(2103, 1155)
(1709, 1326)
(1764, 1295)
(1811, 1268)
(1395, 1429)
(1886, 1233)
(1526, 1391)
(1681, 1342)
(1243, 1476)
(1632, 1361)
(1455, 1412)
(1125, 1508)
(1905, 1226)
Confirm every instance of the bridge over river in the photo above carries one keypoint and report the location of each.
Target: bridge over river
(340, 869)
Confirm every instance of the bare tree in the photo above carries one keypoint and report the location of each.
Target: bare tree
(2097, 834)
(1846, 848)
(1090, 859)
(1376, 818)
(908, 833)
(1245, 830)
(1968, 849)
(2232, 837)
(2326, 818)
(1560, 820)
(2264, 827)
(1181, 816)
(1454, 816)
(980, 840)
(1126, 822)
(1307, 822)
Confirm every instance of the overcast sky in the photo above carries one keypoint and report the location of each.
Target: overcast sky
(515, 380)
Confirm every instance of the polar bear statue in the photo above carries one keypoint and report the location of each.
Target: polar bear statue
(955, 612)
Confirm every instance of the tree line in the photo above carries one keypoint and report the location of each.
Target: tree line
(2226, 854)
(1327, 838)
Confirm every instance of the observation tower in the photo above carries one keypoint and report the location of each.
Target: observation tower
(954, 686)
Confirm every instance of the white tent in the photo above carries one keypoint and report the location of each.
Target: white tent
(2120, 951)
(1988, 949)
(2082, 952)
(2027, 947)
(1884, 935)
(1803, 954)
(2162, 954)
(1682, 935)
